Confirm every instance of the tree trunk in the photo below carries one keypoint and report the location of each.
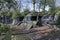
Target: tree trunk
(34, 7)
(37, 17)
(39, 8)
(44, 6)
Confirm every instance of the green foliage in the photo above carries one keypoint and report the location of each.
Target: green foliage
(47, 2)
(10, 3)
(42, 2)
(4, 28)
(58, 21)
(8, 35)
(0, 13)
(14, 14)
(50, 3)
(25, 12)
(57, 9)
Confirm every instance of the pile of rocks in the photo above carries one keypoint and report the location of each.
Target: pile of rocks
(40, 32)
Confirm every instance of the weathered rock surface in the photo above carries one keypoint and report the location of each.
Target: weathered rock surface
(38, 33)
(45, 32)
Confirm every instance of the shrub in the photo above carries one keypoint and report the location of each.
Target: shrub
(4, 28)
